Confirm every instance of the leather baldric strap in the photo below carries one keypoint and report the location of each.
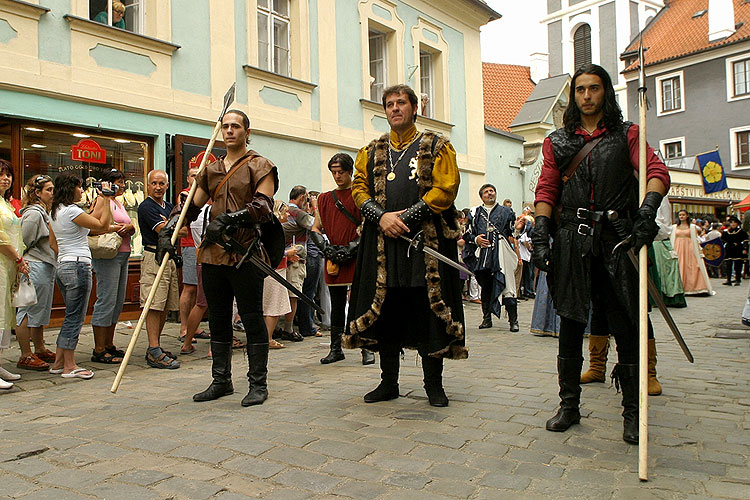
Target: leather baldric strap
(231, 172)
(343, 209)
(578, 158)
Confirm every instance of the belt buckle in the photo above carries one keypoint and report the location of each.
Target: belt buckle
(581, 213)
(584, 227)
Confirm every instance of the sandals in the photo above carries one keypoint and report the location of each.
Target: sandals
(106, 357)
(275, 345)
(79, 373)
(190, 350)
(181, 338)
(163, 361)
(237, 343)
(46, 355)
(203, 335)
(114, 351)
(32, 362)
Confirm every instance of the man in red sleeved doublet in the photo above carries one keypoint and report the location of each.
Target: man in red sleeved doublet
(581, 267)
(340, 220)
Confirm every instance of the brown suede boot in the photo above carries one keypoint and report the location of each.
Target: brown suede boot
(654, 387)
(598, 347)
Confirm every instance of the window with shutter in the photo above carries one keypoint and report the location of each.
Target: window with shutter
(582, 46)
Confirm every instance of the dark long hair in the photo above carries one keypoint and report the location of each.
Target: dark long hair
(5, 166)
(65, 190)
(612, 114)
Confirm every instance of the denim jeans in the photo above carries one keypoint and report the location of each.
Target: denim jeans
(42, 275)
(74, 281)
(309, 288)
(111, 283)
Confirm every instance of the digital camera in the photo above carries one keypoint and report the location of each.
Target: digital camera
(106, 192)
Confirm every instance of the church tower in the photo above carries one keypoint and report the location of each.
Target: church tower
(590, 31)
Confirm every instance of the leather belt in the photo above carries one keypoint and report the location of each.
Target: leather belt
(150, 249)
(582, 229)
(573, 214)
(73, 258)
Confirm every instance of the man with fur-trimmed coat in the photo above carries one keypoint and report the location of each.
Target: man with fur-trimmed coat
(405, 185)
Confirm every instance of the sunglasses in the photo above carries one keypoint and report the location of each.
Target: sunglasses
(41, 180)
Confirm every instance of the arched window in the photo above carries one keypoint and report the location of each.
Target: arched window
(582, 46)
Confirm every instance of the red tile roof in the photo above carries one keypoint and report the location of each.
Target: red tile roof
(506, 88)
(675, 33)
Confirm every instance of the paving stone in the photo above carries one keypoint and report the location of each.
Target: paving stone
(119, 491)
(435, 438)
(206, 454)
(71, 478)
(392, 462)
(340, 449)
(728, 490)
(54, 494)
(253, 466)
(409, 481)
(295, 456)
(246, 446)
(307, 480)
(188, 488)
(459, 489)
(539, 471)
(14, 486)
(457, 472)
(354, 470)
(360, 489)
(29, 467)
(143, 477)
(505, 481)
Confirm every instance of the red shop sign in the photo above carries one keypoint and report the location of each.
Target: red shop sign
(196, 160)
(88, 150)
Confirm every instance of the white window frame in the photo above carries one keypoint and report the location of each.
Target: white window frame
(430, 90)
(140, 18)
(659, 101)
(730, 77)
(733, 153)
(665, 142)
(273, 17)
(374, 33)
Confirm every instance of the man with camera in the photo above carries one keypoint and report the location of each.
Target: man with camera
(295, 232)
(152, 217)
(340, 219)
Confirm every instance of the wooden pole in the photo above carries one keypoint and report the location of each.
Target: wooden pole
(228, 98)
(642, 286)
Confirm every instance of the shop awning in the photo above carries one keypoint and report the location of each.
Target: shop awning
(744, 204)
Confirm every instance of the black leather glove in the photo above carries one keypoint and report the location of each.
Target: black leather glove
(164, 241)
(372, 211)
(323, 244)
(645, 228)
(259, 210)
(542, 253)
(415, 214)
(192, 213)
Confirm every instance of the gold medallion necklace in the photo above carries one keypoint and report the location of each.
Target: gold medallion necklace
(391, 164)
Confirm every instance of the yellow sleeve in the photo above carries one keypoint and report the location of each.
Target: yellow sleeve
(361, 184)
(445, 180)
(4, 237)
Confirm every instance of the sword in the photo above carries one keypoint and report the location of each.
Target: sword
(652, 289)
(248, 255)
(417, 244)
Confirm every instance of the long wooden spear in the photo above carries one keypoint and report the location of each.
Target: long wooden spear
(642, 281)
(228, 98)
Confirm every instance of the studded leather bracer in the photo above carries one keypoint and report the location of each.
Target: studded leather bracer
(415, 214)
(372, 211)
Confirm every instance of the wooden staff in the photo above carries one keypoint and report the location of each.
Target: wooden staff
(642, 282)
(228, 98)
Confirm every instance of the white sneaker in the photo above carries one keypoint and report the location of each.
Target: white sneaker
(5, 385)
(8, 375)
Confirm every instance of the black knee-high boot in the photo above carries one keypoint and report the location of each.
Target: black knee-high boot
(626, 379)
(257, 374)
(336, 354)
(221, 371)
(388, 387)
(433, 380)
(512, 307)
(569, 378)
(486, 316)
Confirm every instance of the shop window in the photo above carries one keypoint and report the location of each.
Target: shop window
(50, 151)
(5, 142)
(427, 83)
(378, 64)
(124, 14)
(582, 46)
(273, 36)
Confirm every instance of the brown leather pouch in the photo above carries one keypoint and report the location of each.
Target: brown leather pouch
(332, 268)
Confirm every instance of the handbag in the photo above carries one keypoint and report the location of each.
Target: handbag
(24, 293)
(105, 246)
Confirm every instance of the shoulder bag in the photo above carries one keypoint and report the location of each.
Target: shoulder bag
(105, 246)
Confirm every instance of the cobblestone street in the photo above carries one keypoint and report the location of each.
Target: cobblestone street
(315, 438)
